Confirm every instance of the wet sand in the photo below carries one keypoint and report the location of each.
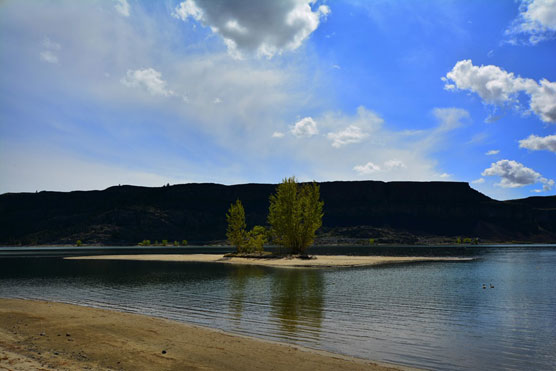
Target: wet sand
(319, 261)
(39, 335)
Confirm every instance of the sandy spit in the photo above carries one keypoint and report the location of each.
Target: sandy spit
(319, 261)
(39, 335)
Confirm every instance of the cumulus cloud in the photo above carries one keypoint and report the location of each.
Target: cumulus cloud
(305, 128)
(264, 27)
(366, 169)
(478, 181)
(351, 134)
(536, 143)
(514, 174)
(148, 78)
(492, 152)
(536, 22)
(122, 6)
(498, 87)
(277, 134)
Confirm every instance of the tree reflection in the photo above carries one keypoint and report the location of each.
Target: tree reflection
(297, 300)
(240, 276)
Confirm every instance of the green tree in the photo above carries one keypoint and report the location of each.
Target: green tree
(295, 214)
(183, 242)
(236, 226)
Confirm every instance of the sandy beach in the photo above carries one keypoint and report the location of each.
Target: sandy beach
(43, 335)
(319, 261)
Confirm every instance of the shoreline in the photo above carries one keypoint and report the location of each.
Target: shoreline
(50, 335)
(319, 261)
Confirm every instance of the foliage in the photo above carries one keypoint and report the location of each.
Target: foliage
(183, 242)
(78, 243)
(371, 241)
(256, 238)
(295, 214)
(176, 243)
(145, 243)
(236, 226)
(164, 242)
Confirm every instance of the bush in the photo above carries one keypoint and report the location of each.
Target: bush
(164, 242)
(78, 243)
(184, 242)
(256, 238)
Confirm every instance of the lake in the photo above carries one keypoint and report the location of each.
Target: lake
(431, 315)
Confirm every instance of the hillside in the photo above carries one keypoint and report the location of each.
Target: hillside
(396, 212)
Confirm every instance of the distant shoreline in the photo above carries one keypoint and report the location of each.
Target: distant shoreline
(318, 261)
(49, 336)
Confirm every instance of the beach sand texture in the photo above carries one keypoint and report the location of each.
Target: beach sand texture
(321, 261)
(38, 335)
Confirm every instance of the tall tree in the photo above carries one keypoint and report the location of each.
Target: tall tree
(236, 226)
(295, 214)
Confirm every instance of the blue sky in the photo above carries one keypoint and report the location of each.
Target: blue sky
(97, 93)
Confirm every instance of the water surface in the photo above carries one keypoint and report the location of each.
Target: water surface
(431, 315)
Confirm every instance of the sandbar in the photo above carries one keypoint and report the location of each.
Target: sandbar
(42, 335)
(318, 261)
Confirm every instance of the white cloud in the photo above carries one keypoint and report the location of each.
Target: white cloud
(149, 79)
(351, 134)
(49, 56)
(536, 143)
(498, 87)
(478, 181)
(445, 175)
(122, 6)
(543, 100)
(51, 45)
(366, 169)
(305, 128)
(536, 21)
(450, 118)
(370, 168)
(277, 26)
(394, 164)
(492, 152)
(514, 174)
(277, 134)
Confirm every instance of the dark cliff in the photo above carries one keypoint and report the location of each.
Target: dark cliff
(390, 212)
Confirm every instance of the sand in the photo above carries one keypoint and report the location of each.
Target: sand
(38, 335)
(319, 261)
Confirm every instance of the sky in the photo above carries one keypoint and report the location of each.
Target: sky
(100, 93)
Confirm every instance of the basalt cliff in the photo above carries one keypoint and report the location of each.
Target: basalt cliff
(355, 212)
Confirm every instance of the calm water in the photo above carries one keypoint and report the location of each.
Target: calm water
(431, 315)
